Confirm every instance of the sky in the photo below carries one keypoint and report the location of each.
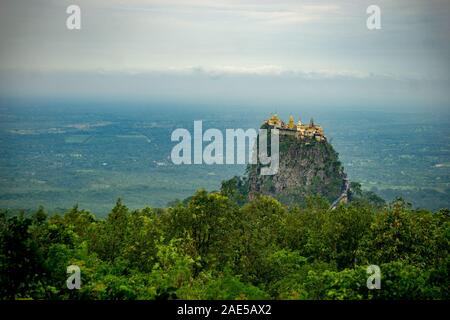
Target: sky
(250, 52)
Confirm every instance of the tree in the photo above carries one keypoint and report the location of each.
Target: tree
(143, 232)
(236, 189)
(210, 220)
(20, 262)
(261, 228)
(108, 237)
(400, 233)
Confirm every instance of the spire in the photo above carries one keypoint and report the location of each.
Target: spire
(274, 120)
(311, 122)
(291, 123)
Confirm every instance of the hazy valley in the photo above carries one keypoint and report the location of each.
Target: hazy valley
(57, 157)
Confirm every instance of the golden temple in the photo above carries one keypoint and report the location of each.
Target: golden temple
(298, 130)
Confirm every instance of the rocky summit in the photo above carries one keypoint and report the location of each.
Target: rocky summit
(308, 165)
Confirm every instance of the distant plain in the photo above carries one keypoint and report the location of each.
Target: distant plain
(59, 156)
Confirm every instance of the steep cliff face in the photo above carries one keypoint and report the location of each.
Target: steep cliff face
(307, 167)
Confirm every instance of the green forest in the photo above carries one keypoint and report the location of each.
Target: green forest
(214, 246)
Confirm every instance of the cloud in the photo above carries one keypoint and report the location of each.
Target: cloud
(263, 71)
(270, 42)
(267, 87)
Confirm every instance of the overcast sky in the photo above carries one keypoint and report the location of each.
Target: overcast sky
(271, 50)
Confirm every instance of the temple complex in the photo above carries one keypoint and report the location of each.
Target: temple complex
(298, 130)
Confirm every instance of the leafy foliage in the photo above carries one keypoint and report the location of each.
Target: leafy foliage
(215, 246)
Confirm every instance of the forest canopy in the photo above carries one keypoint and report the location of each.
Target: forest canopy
(215, 246)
